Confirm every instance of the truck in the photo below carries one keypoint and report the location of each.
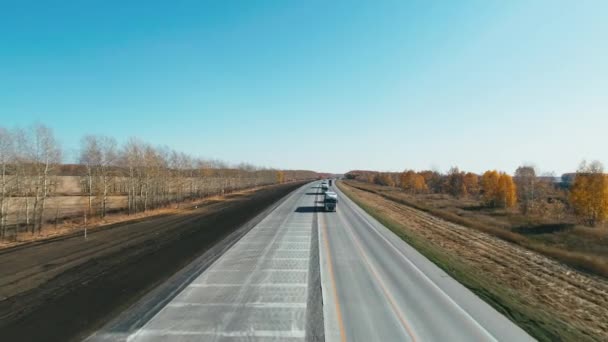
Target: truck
(324, 187)
(330, 201)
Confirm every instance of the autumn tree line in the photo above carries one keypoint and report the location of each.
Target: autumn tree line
(584, 193)
(149, 177)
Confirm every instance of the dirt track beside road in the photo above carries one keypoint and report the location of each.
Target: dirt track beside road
(62, 289)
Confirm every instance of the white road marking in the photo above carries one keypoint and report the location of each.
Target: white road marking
(245, 305)
(252, 285)
(253, 333)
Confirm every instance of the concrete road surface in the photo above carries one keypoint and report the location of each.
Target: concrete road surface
(378, 288)
(374, 287)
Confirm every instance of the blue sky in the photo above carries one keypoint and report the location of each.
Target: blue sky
(329, 86)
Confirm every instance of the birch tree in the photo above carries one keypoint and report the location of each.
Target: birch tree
(6, 161)
(589, 193)
(44, 156)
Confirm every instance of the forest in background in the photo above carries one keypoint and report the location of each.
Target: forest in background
(582, 195)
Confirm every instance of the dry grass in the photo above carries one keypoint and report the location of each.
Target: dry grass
(581, 247)
(600, 233)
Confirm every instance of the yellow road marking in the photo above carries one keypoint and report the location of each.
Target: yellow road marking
(333, 282)
(387, 294)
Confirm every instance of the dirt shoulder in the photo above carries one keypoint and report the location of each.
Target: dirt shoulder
(551, 301)
(59, 289)
(74, 225)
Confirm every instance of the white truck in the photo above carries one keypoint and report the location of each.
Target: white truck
(330, 201)
(324, 187)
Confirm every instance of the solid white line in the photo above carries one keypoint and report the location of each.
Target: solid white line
(291, 250)
(284, 270)
(252, 285)
(302, 245)
(248, 333)
(245, 305)
(419, 271)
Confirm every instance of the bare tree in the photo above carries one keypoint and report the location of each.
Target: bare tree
(150, 177)
(109, 155)
(44, 155)
(526, 182)
(6, 159)
(131, 159)
(455, 183)
(90, 157)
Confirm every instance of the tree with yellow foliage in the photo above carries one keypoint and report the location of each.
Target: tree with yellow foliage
(471, 183)
(589, 193)
(507, 194)
(412, 182)
(384, 179)
(489, 187)
(498, 189)
(280, 177)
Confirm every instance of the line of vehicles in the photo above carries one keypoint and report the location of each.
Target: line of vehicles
(330, 198)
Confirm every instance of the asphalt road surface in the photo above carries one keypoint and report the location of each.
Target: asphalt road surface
(378, 288)
(374, 287)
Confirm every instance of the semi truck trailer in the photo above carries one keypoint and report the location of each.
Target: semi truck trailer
(330, 201)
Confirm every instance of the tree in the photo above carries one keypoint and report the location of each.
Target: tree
(412, 182)
(471, 183)
(489, 187)
(150, 177)
(589, 193)
(498, 189)
(454, 183)
(131, 160)
(384, 178)
(507, 194)
(89, 157)
(526, 181)
(433, 180)
(7, 156)
(99, 155)
(280, 177)
(44, 155)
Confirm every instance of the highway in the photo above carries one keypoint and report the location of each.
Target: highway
(302, 274)
(384, 290)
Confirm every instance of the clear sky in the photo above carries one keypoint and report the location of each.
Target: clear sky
(323, 85)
